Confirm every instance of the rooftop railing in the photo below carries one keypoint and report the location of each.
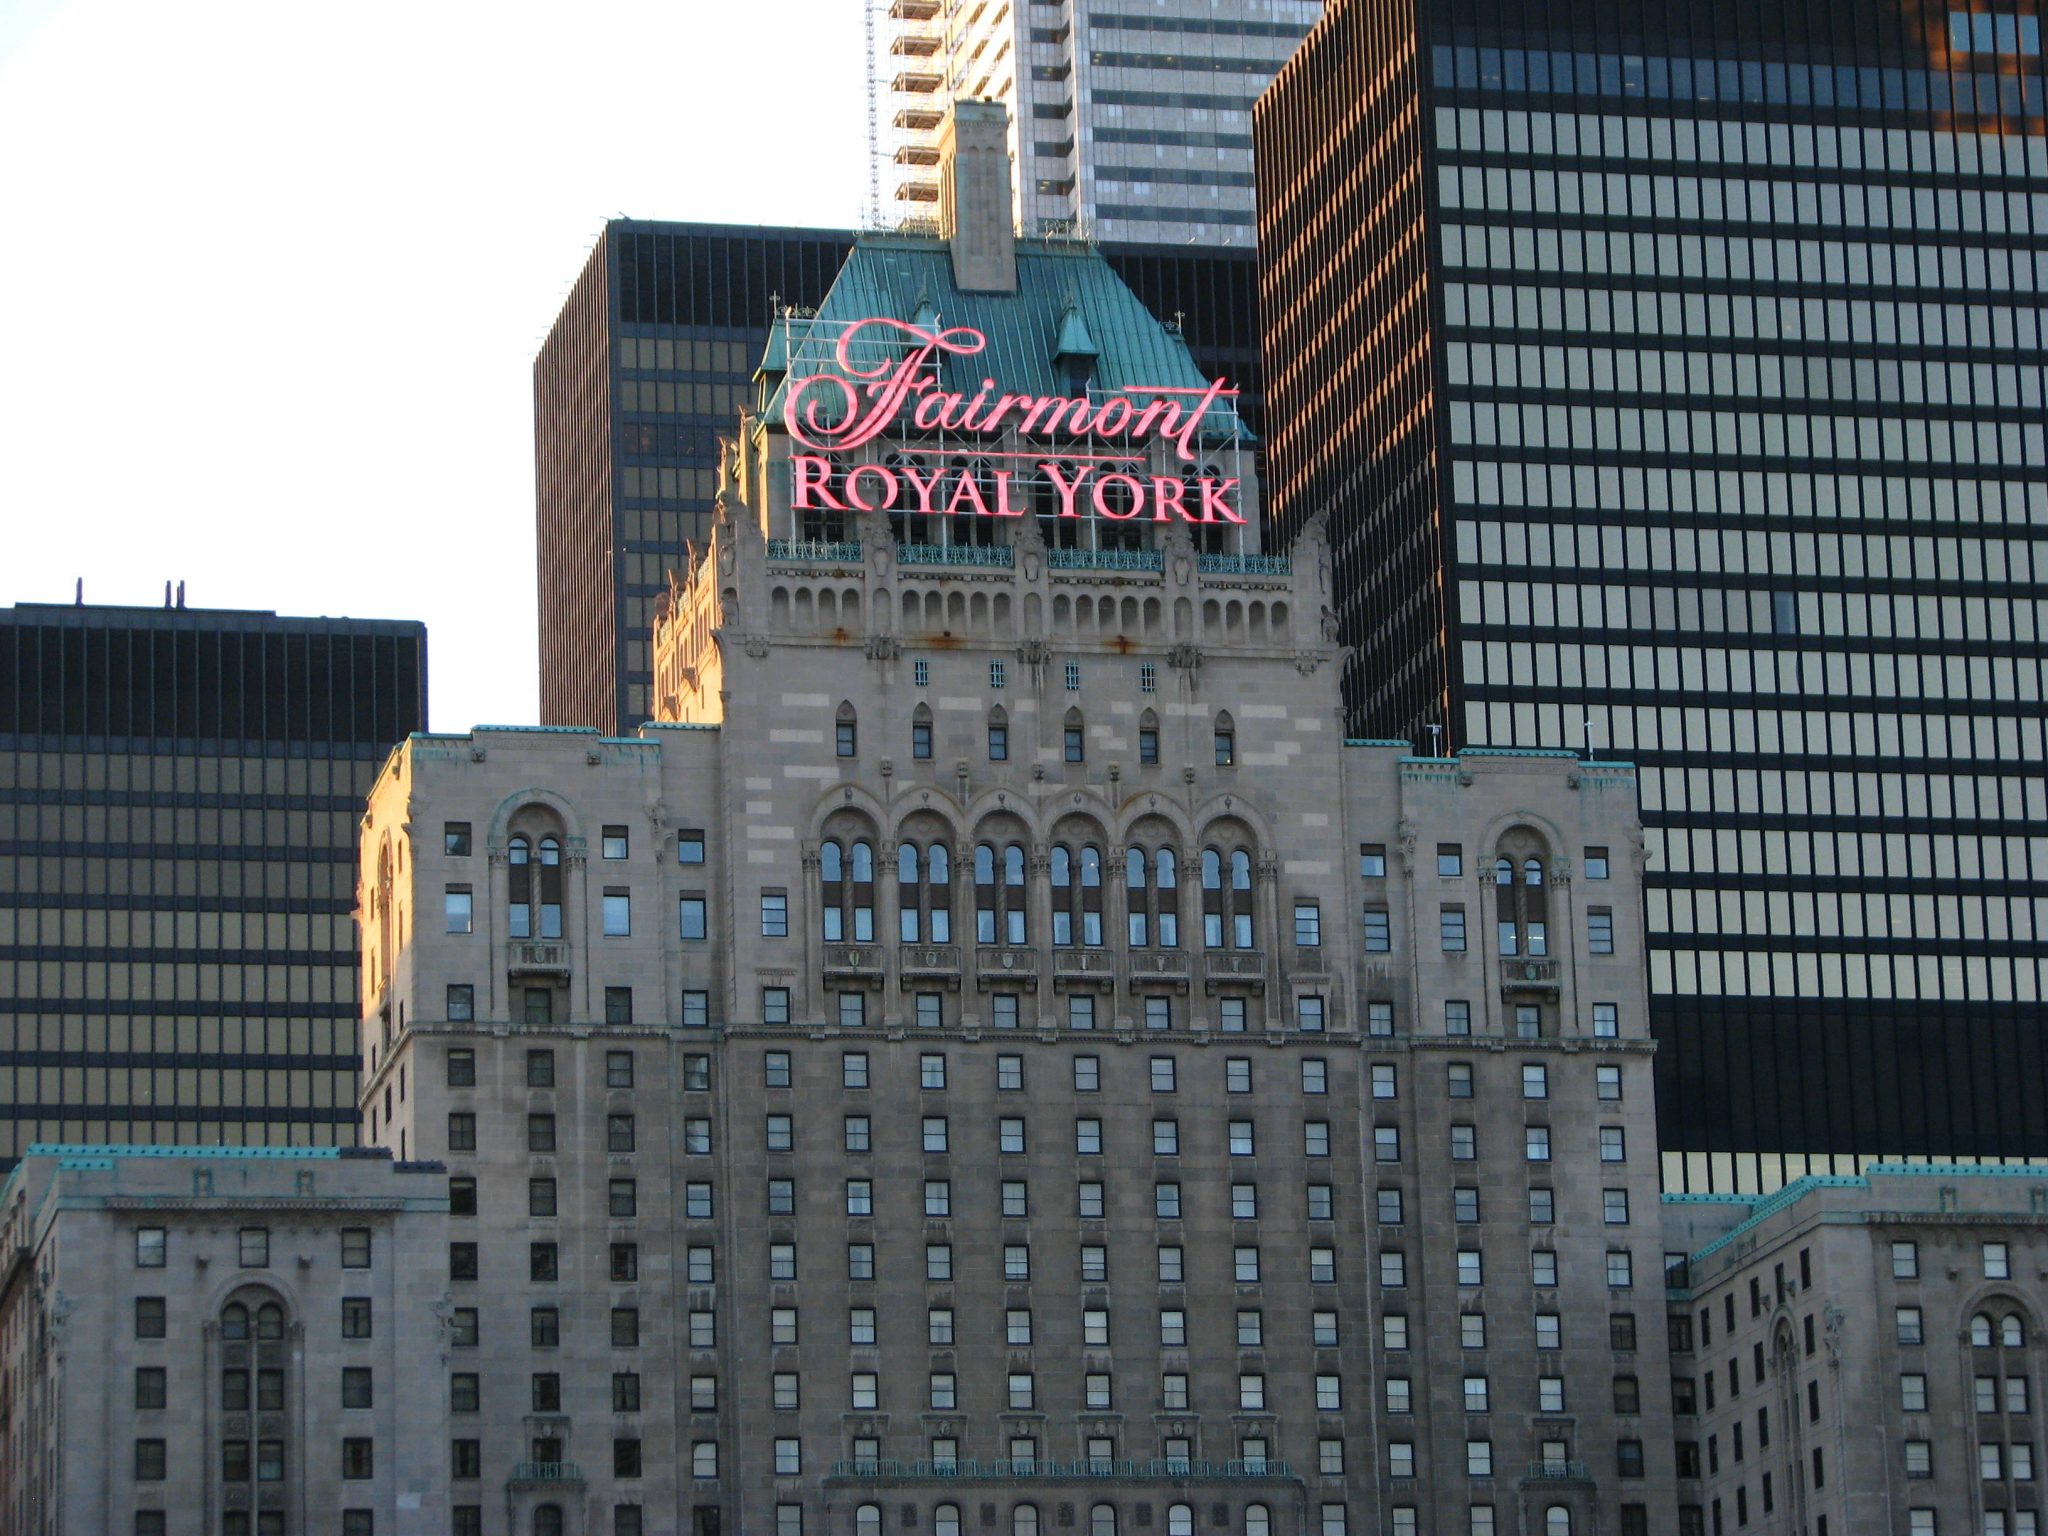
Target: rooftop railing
(1243, 565)
(813, 549)
(955, 554)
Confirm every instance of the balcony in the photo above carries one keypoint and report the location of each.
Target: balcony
(540, 957)
(914, 10)
(1059, 559)
(1243, 565)
(917, 82)
(1519, 973)
(1551, 1474)
(1233, 967)
(1160, 965)
(824, 552)
(954, 554)
(1042, 1470)
(861, 963)
(546, 1473)
(1083, 968)
(1006, 965)
(929, 962)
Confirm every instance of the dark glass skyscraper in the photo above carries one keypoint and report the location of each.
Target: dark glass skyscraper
(179, 796)
(1673, 374)
(648, 365)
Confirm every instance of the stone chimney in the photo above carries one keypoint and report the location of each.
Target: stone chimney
(974, 197)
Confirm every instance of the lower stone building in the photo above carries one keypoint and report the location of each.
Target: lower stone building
(1862, 1354)
(224, 1340)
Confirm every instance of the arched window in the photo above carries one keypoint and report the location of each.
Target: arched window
(1227, 900)
(1557, 1521)
(536, 889)
(1139, 919)
(252, 1376)
(946, 1520)
(832, 891)
(1980, 1330)
(1102, 1520)
(998, 735)
(1520, 907)
(846, 896)
(1241, 900)
(547, 1520)
(1091, 896)
(1257, 1522)
(1073, 738)
(924, 894)
(1024, 1520)
(1152, 898)
(921, 733)
(2012, 1333)
(1180, 1521)
(519, 861)
(1148, 739)
(867, 1520)
(1062, 896)
(846, 733)
(1226, 740)
(1014, 904)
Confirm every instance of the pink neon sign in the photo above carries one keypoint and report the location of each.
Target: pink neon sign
(1098, 467)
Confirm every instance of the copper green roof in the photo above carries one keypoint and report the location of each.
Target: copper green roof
(1069, 302)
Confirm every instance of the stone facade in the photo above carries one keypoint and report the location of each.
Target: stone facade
(224, 1340)
(1861, 1354)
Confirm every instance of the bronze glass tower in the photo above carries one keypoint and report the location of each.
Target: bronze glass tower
(179, 793)
(1673, 377)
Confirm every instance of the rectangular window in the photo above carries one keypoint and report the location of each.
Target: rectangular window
(690, 846)
(1596, 863)
(355, 1317)
(1372, 861)
(1600, 930)
(1308, 1014)
(459, 908)
(355, 1247)
(461, 1003)
(1379, 933)
(774, 914)
(455, 839)
(691, 913)
(1451, 922)
(255, 1248)
(461, 1067)
(1450, 861)
(1606, 1020)
(618, 1005)
(618, 912)
(1308, 924)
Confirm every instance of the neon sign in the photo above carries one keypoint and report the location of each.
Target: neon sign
(1095, 462)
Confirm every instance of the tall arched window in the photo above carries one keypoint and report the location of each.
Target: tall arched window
(1024, 1520)
(1062, 864)
(1521, 897)
(1180, 1520)
(946, 1520)
(1073, 738)
(1102, 1520)
(846, 892)
(921, 733)
(1257, 1521)
(846, 733)
(253, 1361)
(2012, 1333)
(386, 949)
(1091, 896)
(536, 889)
(867, 1520)
(924, 893)
(1227, 899)
(999, 905)
(1557, 1521)
(1152, 896)
(547, 1520)
(1980, 1330)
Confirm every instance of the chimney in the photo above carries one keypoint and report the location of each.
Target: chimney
(974, 197)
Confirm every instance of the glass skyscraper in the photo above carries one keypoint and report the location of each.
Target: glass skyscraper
(179, 798)
(1673, 374)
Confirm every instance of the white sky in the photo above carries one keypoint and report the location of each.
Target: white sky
(273, 275)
